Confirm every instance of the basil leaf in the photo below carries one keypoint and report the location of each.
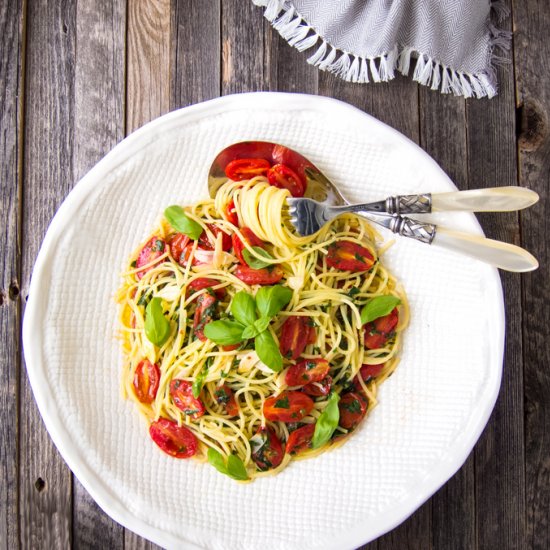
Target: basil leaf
(327, 422)
(262, 323)
(224, 332)
(271, 299)
(253, 262)
(198, 383)
(216, 459)
(243, 308)
(236, 469)
(250, 332)
(378, 307)
(268, 351)
(179, 220)
(157, 327)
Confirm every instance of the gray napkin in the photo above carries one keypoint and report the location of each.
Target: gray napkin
(448, 45)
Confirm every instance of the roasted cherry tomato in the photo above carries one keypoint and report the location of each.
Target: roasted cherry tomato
(349, 256)
(231, 347)
(206, 244)
(286, 178)
(380, 330)
(204, 313)
(265, 276)
(306, 371)
(177, 441)
(154, 248)
(316, 389)
(244, 169)
(371, 371)
(178, 243)
(352, 410)
(267, 451)
(146, 381)
(295, 336)
(289, 406)
(224, 396)
(300, 440)
(182, 395)
(250, 238)
(206, 282)
(231, 213)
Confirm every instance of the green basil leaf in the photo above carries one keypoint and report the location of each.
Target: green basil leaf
(378, 307)
(327, 422)
(157, 327)
(262, 323)
(236, 468)
(268, 351)
(271, 299)
(216, 459)
(179, 220)
(243, 308)
(250, 332)
(224, 332)
(198, 383)
(253, 262)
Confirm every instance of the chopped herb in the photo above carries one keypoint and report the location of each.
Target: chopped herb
(283, 403)
(133, 264)
(353, 407)
(353, 291)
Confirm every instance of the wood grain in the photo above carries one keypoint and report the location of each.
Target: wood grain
(532, 51)
(11, 115)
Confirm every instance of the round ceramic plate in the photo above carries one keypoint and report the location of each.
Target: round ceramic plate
(430, 412)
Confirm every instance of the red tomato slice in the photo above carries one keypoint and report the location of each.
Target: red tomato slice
(349, 256)
(154, 248)
(182, 395)
(178, 243)
(224, 396)
(231, 213)
(206, 244)
(232, 347)
(204, 313)
(295, 336)
(379, 331)
(352, 410)
(306, 371)
(300, 440)
(371, 371)
(177, 441)
(267, 451)
(244, 169)
(316, 389)
(387, 323)
(206, 282)
(265, 276)
(250, 238)
(146, 381)
(289, 406)
(283, 177)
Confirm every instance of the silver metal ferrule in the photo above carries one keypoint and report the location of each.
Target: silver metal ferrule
(414, 229)
(409, 204)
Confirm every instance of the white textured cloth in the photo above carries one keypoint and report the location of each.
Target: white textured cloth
(453, 41)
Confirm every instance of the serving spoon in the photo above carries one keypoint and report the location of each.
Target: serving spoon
(323, 201)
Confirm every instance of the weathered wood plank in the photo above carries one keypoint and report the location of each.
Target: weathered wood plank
(149, 61)
(44, 479)
(532, 54)
(11, 81)
(98, 126)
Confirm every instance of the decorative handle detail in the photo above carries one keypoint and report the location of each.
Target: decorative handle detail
(409, 204)
(414, 229)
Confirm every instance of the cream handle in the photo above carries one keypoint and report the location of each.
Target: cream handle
(506, 256)
(495, 199)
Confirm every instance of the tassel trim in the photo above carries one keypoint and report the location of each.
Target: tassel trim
(427, 71)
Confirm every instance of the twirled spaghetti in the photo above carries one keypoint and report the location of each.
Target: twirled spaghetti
(323, 352)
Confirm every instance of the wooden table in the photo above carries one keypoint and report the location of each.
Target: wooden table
(76, 77)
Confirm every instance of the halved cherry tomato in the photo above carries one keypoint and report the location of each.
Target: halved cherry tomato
(300, 440)
(244, 169)
(316, 389)
(232, 347)
(206, 282)
(349, 256)
(178, 243)
(177, 441)
(352, 410)
(295, 336)
(267, 451)
(231, 213)
(224, 396)
(289, 406)
(284, 177)
(250, 238)
(206, 308)
(266, 276)
(146, 381)
(371, 371)
(380, 330)
(154, 248)
(206, 244)
(182, 395)
(306, 371)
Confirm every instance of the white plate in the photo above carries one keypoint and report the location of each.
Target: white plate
(431, 411)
